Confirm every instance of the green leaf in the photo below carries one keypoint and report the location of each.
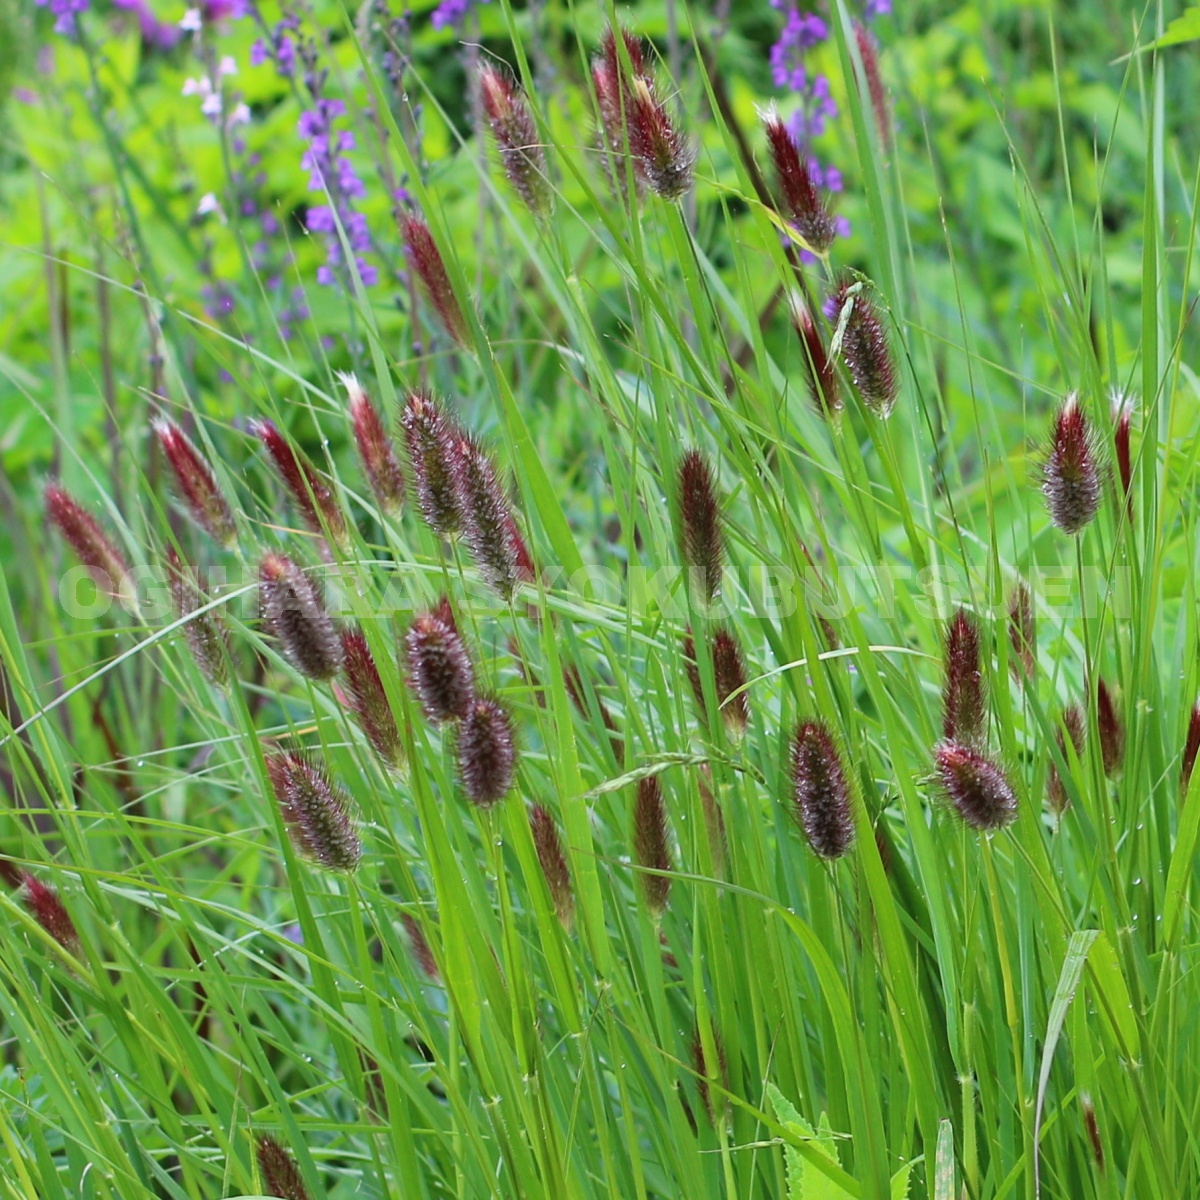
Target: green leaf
(901, 1181)
(1185, 28)
(806, 1181)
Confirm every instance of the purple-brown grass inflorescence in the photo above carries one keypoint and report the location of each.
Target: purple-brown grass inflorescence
(1110, 728)
(422, 951)
(315, 810)
(367, 699)
(515, 134)
(805, 208)
(48, 910)
(1071, 480)
(487, 752)
(206, 633)
(439, 666)
(104, 562)
(976, 787)
(310, 491)
(729, 675)
(701, 543)
(651, 845)
(1191, 747)
(868, 50)
(489, 527)
(432, 439)
(375, 448)
(426, 260)
(1122, 408)
(864, 347)
(703, 1073)
(964, 709)
(1071, 729)
(280, 1175)
(553, 862)
(1022, 633)
(820, 790)
(294, 613)
(197, 483)
(819, 368)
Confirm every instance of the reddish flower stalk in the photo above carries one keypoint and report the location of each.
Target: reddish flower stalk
(197, 483)
(206, 633)
(964, 708)
(432, 438)
(368, 701)
(1074, 730)
(1191, 748)
(489, 528)
(976, 786)
(374, 448)
(701, 543)
(1022, 633)
(281, 1176)
(1122, 419)
(49, 912)
(315, 810)
(865, 348)
(818, 366)
(310, 492)
(805, 207)
(868, 50)
(515, 133)
(553, 863)
(487, 752)
(426, 260)
(1070, 474)
(651, 845)
(703, 1074)
(422, 951)
(104, 562)
(820, 790)
(1110, 728)
(439, 666)
(294, 613)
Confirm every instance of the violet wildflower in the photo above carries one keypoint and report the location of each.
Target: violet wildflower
(1110, 729)
(368, 701)
(1022, 633)
(310, 491)
(426, 260)
(48, 910)
(374, 447)
(206, 633)
(450, 14)
(93, 547)
(440, 669)
(66, 14)
(964, 711)
(805, 208)
(1191, 747)
(1072, 729)
(198, 485)
(651, 845)
(315, 810)
(1070, 474)
(553, 862)
(820, 790)
(281, 1176)
(157, 36)
(516, 137)
(864, 346)
(818, 366)
(700, 520)
(294, 613)
(489, 528)
(432, 438)
(976, 787)
(487, 752)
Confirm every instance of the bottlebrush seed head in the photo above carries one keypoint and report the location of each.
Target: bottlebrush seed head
(198, 485)
(700, 516)
(489, 528)
(804, 205)
(651, 846)
(487, 752)
(818, 366)
(422, 951)
(294, 613)
(105, 563)
(281, 1176)
(1022, 633)
(610, 78)
(1072, 729)
(868, 50)
(714, 821)
(820, 790)
(48, 911)
(368, 700)
(374, 448)
(1093, 1129)
(1110, 728)
(310, 492)
(206, 633)
(976, 786)
(634, 51)
(729, 675)
(703, 1074)
(515, 133)
(554, 864)
(426, 260)
(964, 710)
(439, 666)
(1122, 406)
(666, 156)
(1191, 747)
(865, 348)
(1070, 474)
(432, 439)
(315, 810)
